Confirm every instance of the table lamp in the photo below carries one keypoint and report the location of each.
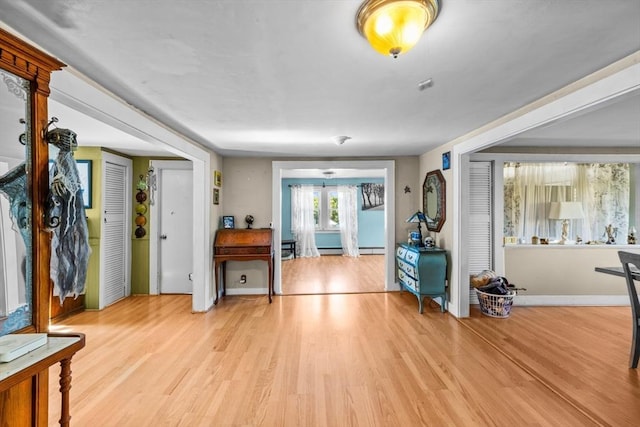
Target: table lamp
(418, 217)
(565, 211)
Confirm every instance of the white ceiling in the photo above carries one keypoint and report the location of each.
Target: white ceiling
(283, 78)
(613, 125)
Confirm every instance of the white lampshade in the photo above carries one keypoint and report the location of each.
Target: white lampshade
(566, 210)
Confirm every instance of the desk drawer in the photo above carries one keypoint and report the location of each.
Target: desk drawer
(243, 250)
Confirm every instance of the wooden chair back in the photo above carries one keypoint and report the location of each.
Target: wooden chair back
(632, 261)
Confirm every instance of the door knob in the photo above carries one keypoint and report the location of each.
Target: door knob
(163, 236)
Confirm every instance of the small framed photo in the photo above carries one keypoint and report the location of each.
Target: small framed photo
(217, 178)
(446, 160)
(228, 221)
(216, 196)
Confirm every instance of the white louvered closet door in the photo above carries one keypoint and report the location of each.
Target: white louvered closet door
(481, 242)
(114, 234)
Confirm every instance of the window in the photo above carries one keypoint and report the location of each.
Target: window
(603, 189)
(325, 208)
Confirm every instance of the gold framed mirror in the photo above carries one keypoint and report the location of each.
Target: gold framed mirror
(433, 200)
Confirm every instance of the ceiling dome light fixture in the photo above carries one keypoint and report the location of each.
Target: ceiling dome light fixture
(393, 27)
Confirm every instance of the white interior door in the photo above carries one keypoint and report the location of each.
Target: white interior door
(175, 200)
(115, 260)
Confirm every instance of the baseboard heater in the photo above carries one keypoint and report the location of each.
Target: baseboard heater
(363, 251)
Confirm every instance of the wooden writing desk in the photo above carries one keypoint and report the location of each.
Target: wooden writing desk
(59, 348)
(242, 244)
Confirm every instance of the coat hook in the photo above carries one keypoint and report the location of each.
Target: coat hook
(46, 128)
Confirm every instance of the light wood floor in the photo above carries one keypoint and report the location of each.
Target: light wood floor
(330, 274)
(347, 360)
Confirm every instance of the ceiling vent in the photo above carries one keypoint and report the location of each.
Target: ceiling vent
(339, 140)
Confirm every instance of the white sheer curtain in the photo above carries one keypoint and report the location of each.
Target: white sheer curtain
(603, 190)
(348, 219)
(302, 221)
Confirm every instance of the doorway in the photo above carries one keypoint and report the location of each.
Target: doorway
(171, 241)
(386, 168)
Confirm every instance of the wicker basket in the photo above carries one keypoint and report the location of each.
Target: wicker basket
(496, 305)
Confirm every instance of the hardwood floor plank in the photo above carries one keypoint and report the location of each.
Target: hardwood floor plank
(331, 274)
(579, 352)
(313, 360)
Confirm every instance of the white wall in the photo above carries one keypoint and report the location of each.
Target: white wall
(566, 274)
(593, 91)
(246, 189)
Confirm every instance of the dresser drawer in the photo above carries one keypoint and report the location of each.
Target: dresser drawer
(406, 268)
(412, 257)
(407, 280)
(401, 252)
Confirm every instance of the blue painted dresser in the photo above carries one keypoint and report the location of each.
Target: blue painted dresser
(423, 272)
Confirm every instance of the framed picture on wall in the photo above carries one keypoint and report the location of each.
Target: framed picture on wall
(228, 221)
(216, 196)
(217, 178)
(372, 196)
(446, 160)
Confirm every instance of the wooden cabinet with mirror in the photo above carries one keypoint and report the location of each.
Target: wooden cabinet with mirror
(25, 252)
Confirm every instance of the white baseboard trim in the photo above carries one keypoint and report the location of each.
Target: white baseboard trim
(571, 300)
(576, 300)
(394, 287)
(372, 251)
(363, 251)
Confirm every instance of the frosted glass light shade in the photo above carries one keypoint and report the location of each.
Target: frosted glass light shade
(393, 27)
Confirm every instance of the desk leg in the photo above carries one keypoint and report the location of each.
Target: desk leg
(65, 386)
(270, 290)
(216, 270)
(224, 278)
